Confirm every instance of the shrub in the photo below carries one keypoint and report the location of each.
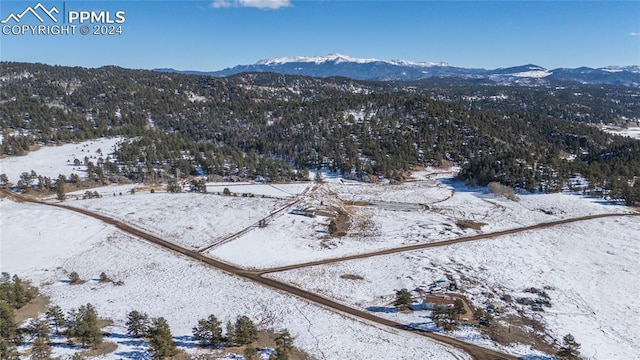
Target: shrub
(104, 277)
(74, 277)
(502, 190)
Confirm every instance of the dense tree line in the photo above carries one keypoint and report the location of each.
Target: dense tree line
(281, 127)
(80, 324)
(15, 292)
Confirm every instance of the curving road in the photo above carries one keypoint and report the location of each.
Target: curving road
(475, 351)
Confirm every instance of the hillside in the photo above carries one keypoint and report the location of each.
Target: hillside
(282, 127)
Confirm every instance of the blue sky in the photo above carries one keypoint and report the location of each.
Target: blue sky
(214, 34)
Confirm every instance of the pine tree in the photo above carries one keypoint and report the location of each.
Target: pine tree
(14, 291)
(137, 324)
(60, 195)
(569, 349)
(39, 328)
(84, 325)
(20, 297)
(55, 316)
(246, 331)
(8, 332)
(231, 336)
(250, 353)
(403, 299)
(208, 331)
(8, 350)
(161, 343)
(284, 345)
(41, 349)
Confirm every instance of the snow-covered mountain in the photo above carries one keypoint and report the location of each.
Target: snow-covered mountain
(339, 58)
(404, 70)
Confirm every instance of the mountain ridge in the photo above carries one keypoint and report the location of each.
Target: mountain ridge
(336, 64)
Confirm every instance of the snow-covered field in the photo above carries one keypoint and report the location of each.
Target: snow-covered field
(427, 190)
(272, 190)
(52, 161)
(197, 220)
(376, 227)
(162, 283)
(590, 266)
(189, 219)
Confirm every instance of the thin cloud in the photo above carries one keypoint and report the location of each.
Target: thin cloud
(260, 4)
(634, 33)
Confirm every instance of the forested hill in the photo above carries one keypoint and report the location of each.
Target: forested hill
(281, 127)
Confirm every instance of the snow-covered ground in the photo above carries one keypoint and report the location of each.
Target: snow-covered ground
(165, 284)
(189, 219)
(52, 161)
(273, 190)
(590, 267)
(197, 220)
(377, 227)
(632, 132)
(424, 191)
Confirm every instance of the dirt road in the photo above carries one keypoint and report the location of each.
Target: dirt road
(475, 351)
(443, 243)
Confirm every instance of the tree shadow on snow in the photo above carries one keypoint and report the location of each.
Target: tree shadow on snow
(382, 309)
(134, 355)
(185, 341)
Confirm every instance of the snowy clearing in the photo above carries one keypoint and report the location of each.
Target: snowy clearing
(632, 132)
(189, 219)
(273, 190)
(52, 161)
(590, 266)
(162, 283)
(380, 227)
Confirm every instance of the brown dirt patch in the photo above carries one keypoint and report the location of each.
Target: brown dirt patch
(325, 213)
(182, 355)
(343, 222)
(340, 217)
(36, 306)
(104, 323)
(266, 338)
(512, 329)
(149, 187)
(103, 348)
(470, 224)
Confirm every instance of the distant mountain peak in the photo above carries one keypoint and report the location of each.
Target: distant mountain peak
(338, 58)
(336, 64)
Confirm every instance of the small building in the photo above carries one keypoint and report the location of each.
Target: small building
(431, 302)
